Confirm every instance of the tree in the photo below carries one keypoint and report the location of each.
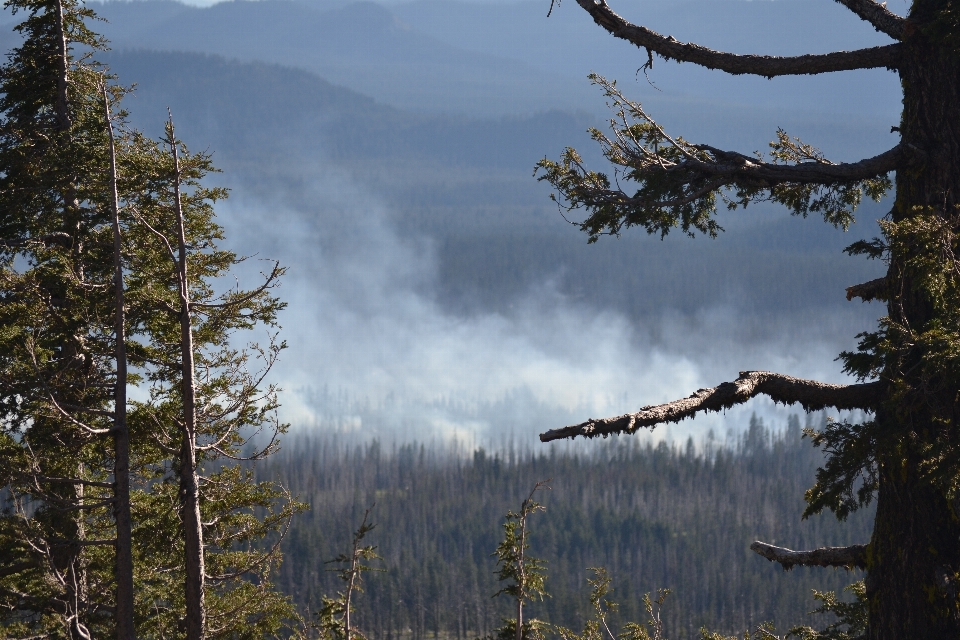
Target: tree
(63, 393)
(209, 410)
(90, 288)
(907, 455)
(334, 618)
(517, 565)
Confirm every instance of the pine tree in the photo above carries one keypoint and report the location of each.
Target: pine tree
(64, 558)
(525, 572)
(907, 456)
(209, 410)
(90, 286)
(334, 620)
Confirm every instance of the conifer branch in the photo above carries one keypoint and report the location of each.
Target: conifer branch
(882, 19)
(660, 182)
(852, 557)
(887, 56)
(812, 395)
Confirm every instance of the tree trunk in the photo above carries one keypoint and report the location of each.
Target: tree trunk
(914, 555)
(189, 485)
(121, 432)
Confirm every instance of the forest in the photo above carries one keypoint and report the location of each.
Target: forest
(677, 516)
(164, 472)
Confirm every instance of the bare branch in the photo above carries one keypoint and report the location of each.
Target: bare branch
(269, 281)
(734, 165)
(851, 557)
(873, 290)
(768, 66)
(812, 395)
(882, 19)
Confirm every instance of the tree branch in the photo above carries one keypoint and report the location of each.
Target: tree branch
(882, 19)
(738, 166)
(873, 290)
(768, 66)
(812, 395)
(851, 557)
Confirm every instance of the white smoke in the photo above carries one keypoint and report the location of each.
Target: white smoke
(371, 351)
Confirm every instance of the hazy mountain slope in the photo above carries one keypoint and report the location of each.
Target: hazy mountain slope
(361, 45)
(466, 185)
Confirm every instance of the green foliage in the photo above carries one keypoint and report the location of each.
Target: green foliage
(57, 364)
(851, 617)
(653, 515)
(920, 364)
(333, 619)
(848, 478)
(526, 572)
(597, 626)
(678, 183)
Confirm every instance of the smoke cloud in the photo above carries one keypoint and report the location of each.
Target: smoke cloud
(372, 353)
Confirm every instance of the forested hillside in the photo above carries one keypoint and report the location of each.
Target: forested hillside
(654, 516)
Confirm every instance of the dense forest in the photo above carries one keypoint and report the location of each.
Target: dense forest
(680, 517)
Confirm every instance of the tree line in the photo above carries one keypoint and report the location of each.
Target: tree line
(655, 516)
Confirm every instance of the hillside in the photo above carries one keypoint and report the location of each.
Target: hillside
(653, 516)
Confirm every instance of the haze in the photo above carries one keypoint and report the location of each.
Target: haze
(384, 152)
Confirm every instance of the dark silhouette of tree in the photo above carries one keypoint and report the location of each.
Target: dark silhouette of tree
(907, 455)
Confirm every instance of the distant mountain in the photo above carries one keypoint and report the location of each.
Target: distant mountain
(362, 46)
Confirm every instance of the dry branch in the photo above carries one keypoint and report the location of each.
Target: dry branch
(812, 395)
(882, 19)
(734, 165)
(887, 56)
(851, 557)
(873, 290)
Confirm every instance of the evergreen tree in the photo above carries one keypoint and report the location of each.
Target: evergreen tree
(206, 405)
(334, 618)
(58, 346)
(90, 283)
(525, 572)
(906, 456)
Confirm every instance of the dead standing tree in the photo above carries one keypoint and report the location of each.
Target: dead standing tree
(908, 455)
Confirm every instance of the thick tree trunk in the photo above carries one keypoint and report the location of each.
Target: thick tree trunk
(914, 556)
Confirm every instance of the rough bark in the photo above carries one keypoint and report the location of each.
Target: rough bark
(850, 557)
(189, 484)
(882, 19)
(121, 433)
(768, 66)
(873, 290)
(810, 394)
(912, 575)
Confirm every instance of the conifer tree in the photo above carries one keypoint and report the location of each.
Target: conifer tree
(907, 455)
(208, 411)
(525, 572)
(89, 285)
(334, 620)
(58, 385)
